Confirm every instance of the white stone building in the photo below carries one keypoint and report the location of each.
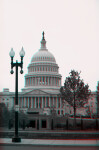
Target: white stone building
(42, 85)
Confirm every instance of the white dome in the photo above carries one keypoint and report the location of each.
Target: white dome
(43, 71)
(43, 55)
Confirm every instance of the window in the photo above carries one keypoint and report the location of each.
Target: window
(62, 112)
(32, 123)
(44, 124)
(58, 112)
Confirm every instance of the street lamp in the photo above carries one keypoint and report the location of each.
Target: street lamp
(16, 138)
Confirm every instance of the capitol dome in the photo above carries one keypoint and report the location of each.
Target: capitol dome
(43, 71)
(43, 54)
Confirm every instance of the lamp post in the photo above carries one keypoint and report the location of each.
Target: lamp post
(16, 138)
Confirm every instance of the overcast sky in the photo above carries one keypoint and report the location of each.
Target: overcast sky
(71, 30)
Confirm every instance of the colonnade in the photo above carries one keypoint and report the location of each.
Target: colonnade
(39, 102)
(51, 81)
(42, 68)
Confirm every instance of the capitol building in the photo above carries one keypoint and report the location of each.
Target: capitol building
(41, 92)
(42, 85)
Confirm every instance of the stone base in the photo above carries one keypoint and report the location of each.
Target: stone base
(16, 139)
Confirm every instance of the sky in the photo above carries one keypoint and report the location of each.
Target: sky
(71, 30)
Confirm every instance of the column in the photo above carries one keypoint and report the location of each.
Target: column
(48, 80)
(22, 102)
(55, 81)
(30, 81)
(45, 102)
(34, 80)
(53, 102)
(58, 81)
(42, 102)
(38, 102)
(31, 102)
(51, 81)
(56, 101)
(28, 102)
(60, 103)
(49, 101)
(25, 101)
(45, 80)
(35, 102)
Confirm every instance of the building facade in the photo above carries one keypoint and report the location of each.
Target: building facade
(42, 87)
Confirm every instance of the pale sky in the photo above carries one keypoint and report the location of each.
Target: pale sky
(71, 30)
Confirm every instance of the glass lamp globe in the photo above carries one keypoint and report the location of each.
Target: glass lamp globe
(12, 53)
(22, 52)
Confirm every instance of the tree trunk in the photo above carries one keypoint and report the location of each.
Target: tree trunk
(74, 112)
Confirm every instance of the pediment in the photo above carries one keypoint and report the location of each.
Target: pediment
(36, 92)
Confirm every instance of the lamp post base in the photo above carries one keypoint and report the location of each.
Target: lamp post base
(16, 139)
